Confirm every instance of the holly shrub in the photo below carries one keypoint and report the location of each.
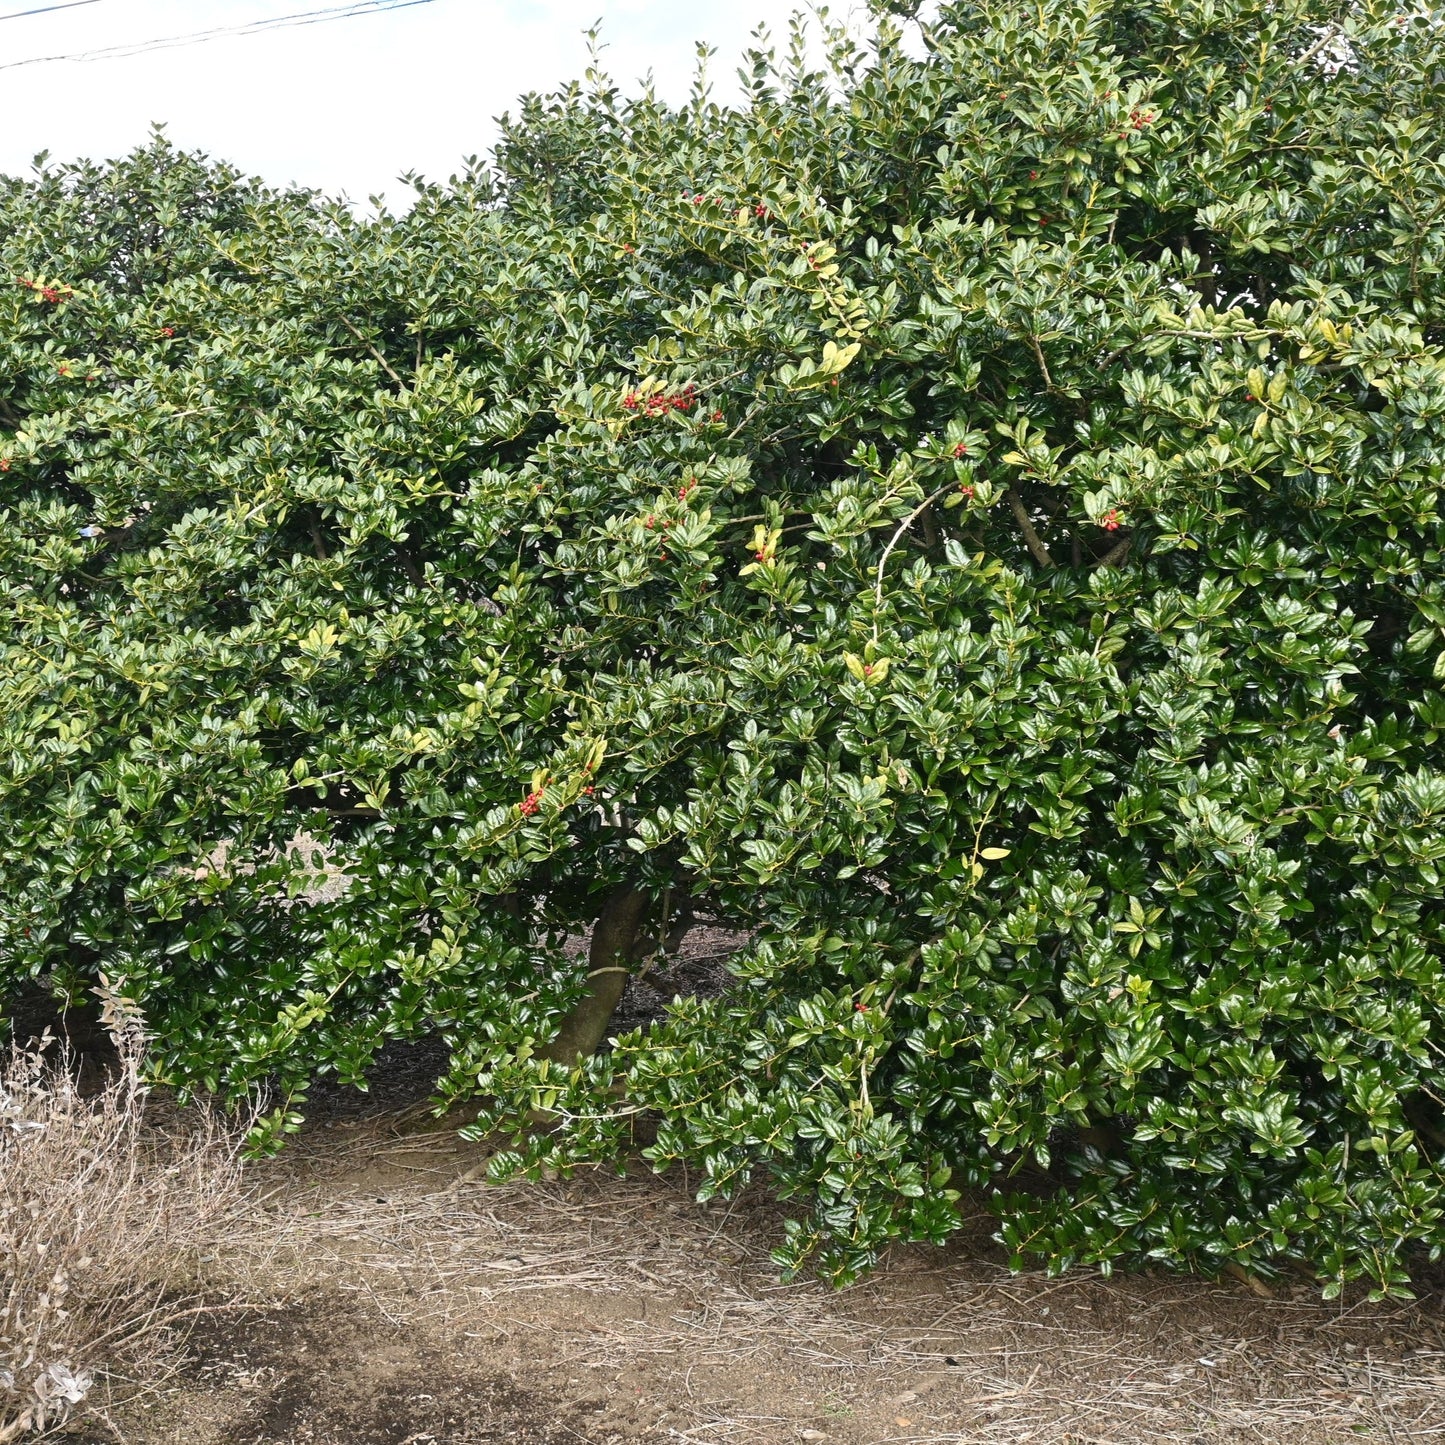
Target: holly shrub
(970, 523)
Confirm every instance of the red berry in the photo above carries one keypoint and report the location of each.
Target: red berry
(1033, 175)
(588, 790)
(967, 491)
(4, 464)
(960, 450)
(717, 416)
(1111, 520)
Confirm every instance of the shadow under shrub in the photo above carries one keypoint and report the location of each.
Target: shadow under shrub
(968, 521)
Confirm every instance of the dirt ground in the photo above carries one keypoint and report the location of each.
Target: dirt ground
(384, 1294)
(387, 1296)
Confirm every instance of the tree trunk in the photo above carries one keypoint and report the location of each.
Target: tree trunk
(609, 957)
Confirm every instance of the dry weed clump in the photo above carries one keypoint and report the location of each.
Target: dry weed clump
(103, 1215)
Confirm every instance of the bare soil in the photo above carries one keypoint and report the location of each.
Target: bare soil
(387, 1296)
(384, 1294)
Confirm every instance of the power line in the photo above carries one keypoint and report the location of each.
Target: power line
(46, 9)
(198, 37)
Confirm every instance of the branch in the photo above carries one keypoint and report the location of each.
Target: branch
(1043, 365)
(893, 541)
(375, 351)
(1116, 554)
(613, 940)
(1036, 543)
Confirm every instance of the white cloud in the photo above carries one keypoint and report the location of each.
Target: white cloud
(346, 106)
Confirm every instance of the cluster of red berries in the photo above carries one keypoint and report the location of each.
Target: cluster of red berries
(660, 402)
(531, 802)
(961, 449)
(1112, 520)
(699, 199)
(967, 493)
(4, 464)
(1138, 119)
(168, 331)
(650, 523)
(53, 294)
(690, 485)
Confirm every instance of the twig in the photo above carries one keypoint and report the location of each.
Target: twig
(375, 351)
(1043, 365)
(893, 541)
(1035, 542)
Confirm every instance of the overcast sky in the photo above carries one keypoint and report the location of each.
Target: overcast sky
(344, 106)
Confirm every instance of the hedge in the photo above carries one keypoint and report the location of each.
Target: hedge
(970, 523)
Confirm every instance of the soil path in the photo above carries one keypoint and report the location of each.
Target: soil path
(396, 1300)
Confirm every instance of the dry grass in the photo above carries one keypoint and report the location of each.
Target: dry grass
(104, 1216)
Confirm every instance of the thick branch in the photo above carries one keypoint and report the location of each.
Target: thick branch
(1036, 543)
(1116, 554)
(613, 941)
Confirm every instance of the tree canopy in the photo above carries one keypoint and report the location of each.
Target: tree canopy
(970, 523)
